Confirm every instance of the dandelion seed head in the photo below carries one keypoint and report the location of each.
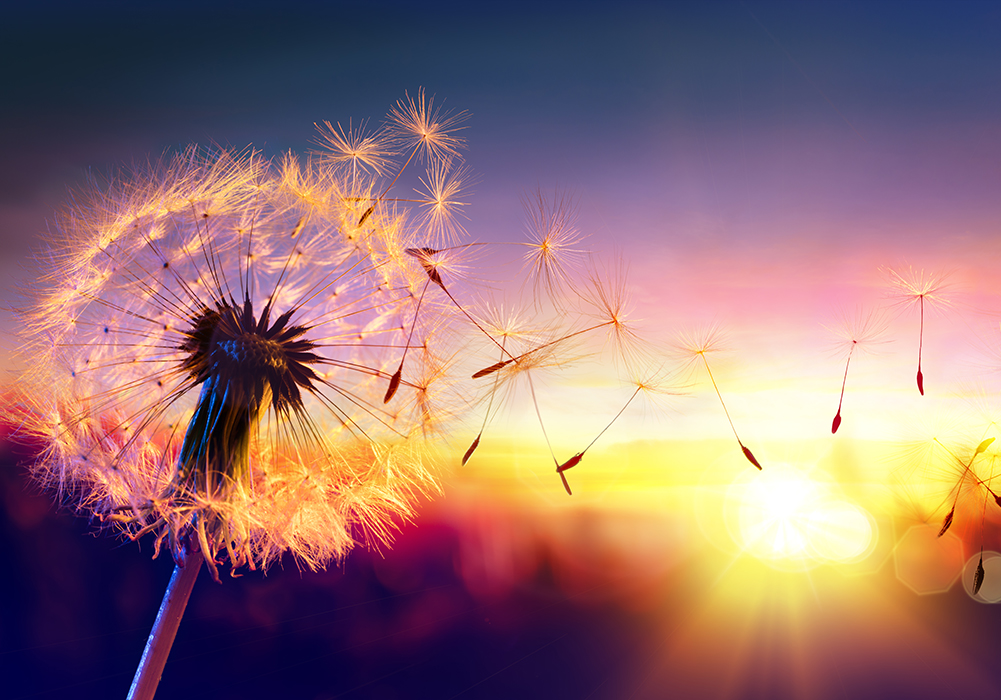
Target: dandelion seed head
(206, 352)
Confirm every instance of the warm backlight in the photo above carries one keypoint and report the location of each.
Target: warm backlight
(793, 516)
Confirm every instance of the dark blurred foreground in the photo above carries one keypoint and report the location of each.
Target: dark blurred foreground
(76, 609)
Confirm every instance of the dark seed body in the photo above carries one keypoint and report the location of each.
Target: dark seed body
(978, 578)
(470, 450)
(750, 457)
(947, 522)
(491, 369)
(571, 463)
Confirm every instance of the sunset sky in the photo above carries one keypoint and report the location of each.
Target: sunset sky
(762, 168)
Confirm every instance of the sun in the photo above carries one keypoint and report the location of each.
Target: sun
(796, 517)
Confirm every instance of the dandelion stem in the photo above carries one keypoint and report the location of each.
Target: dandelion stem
(476, 323)
(747, 453)
(542, 425)
(605, 429)
(161, 638)
(486, 417)
(575, 460)
(921, 340)
(837, 418)
(394, 382)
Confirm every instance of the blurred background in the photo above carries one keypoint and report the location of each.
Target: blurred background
(765, 167)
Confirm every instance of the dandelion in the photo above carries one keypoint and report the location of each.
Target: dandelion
(206, 350)
(858, 333)
(911, 287)
(696, 346)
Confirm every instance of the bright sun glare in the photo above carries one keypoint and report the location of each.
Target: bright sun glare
(785, 515)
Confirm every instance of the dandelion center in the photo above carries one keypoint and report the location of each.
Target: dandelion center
(247, 356)
(254, 352)
(245, 366)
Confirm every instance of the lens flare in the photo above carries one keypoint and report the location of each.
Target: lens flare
(990, 590)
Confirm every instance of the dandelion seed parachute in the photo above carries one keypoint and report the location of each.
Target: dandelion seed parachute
(858, 332)
(916, 286)
(208, 352)
(696, 346)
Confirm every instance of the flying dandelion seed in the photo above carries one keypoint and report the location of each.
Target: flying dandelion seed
(652, 385)
(912, 287)
(608, 298)
(696, 346)
(553, 252)
(206, 350)
(441, 201)
(417, 123)
(353, 150)
(605, 302)
(957, 475)
(858, 332)
(508, 326)
(947, 472)
(544, 352)
(967, 477)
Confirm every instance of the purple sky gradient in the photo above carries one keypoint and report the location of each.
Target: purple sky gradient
(754, 164)
(762, 136)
